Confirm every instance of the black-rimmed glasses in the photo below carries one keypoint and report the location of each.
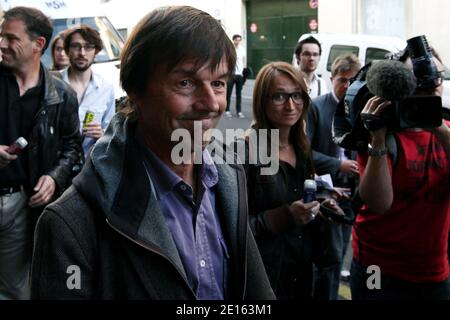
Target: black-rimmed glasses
(279, 98)
(79, 46)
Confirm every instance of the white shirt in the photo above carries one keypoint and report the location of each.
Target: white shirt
(317, 87)
(240, 57)
(99, 99)
(342, 155)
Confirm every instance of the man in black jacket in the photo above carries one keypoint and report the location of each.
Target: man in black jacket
(137, 223)
(43, 110)
(329, 158)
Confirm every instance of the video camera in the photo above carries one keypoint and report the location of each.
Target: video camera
(391, 80)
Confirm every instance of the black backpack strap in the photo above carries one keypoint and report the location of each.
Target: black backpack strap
(392, 146)
(318, 86)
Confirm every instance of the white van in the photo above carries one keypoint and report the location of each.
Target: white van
(366, 48)
(68, 13)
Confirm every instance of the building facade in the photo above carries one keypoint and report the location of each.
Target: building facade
(402, 18)
(269, 28)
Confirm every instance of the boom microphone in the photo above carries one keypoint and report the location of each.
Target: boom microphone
(391, 80)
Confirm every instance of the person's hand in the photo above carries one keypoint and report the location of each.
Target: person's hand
(349, 167)
(5, 157)
(371, 117)
(303, 213)
(331, 204)
(45, 188)
(93, 130)
(340, 193)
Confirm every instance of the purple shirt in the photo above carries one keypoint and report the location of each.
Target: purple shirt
(194, 224)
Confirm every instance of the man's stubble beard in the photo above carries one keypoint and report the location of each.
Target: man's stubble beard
(308, 70)
(81, 69)
(11, 64)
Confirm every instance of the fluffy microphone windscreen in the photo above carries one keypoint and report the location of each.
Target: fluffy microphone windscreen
(390, 80)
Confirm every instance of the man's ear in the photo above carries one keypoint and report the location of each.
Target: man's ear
(39, 44)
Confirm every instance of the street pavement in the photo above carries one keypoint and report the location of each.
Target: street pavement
(235, 122)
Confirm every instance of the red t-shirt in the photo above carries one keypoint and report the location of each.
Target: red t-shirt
(410, 240)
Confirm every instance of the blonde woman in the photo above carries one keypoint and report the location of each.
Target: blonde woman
(59, 56)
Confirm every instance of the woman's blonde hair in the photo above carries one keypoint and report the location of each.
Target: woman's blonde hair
(59, 36)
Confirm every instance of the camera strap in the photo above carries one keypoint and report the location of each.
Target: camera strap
(392, 146)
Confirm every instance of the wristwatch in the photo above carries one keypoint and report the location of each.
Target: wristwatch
(376, 152)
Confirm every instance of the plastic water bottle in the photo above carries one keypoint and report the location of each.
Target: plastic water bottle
(17, 146)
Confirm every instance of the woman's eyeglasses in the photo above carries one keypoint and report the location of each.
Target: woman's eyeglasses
(279, 98)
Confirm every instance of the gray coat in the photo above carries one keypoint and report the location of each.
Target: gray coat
(109, 225)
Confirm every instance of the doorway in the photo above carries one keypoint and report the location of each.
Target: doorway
(273, 29)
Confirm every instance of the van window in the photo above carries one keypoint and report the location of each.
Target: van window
(112, 41)
(375, 54)
(338, 50)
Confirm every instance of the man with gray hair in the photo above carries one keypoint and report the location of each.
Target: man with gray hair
(136, 225)
(329, 158)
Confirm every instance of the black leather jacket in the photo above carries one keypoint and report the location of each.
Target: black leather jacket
(55, 139)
